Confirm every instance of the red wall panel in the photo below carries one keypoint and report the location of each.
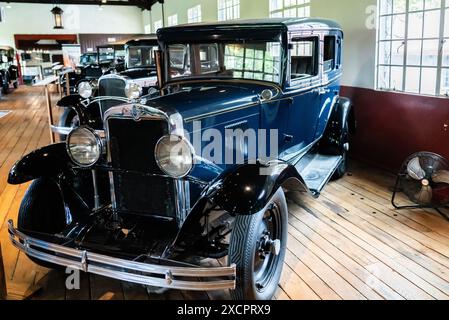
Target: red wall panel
(391, 126)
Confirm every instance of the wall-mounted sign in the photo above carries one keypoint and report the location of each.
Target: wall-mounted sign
(71, 54)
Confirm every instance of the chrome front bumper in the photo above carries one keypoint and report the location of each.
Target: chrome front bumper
(193, 278)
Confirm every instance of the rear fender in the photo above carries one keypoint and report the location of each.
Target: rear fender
(335, 135)
(49, 161)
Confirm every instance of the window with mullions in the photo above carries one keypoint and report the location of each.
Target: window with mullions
(289, 8)
(172, 20)
(411, 35)
(194, 14)
(228, 10)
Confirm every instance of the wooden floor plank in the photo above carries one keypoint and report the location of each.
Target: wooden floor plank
(311, 238)
(383, 252)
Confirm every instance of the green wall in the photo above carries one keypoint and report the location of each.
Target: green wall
(357, 18)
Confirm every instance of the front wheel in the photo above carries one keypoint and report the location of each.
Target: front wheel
(257, 247)
(42, 211)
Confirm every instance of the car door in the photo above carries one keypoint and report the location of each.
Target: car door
(304, 99)
(331, 43)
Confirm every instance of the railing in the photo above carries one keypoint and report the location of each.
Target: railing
(45, 84)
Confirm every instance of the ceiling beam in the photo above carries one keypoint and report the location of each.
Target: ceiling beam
(142, 4)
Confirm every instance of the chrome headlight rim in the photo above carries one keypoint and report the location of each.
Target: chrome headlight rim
(133, 91)
(181, 139)
(89, 89)
(98, 142)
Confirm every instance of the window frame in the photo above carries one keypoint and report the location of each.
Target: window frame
(280, 12)
(313, 80)
(442, 40)
(234, 7)
(199, 14)
(335, 62)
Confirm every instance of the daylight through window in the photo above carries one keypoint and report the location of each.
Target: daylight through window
(411, 35)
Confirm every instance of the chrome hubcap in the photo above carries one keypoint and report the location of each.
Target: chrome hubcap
(268, 248)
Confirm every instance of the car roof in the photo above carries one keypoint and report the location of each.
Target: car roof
(245, 28)
(149, 40)
(288, 22)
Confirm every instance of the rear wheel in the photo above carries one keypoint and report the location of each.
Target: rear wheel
(42, 210)
(257, 247)
(16, 85)
(343, 151)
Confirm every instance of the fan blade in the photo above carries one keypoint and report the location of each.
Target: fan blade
(414, 169)
(441, 176)
(425, 195)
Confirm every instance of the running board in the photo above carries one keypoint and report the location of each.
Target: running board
(317, 170)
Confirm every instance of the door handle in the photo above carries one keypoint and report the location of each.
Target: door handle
(322, 90)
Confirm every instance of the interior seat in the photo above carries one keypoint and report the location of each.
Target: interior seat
(302, 66)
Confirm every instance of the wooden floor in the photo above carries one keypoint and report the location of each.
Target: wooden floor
(348, 244)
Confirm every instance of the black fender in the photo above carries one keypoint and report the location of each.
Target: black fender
(69, 101)
(49, 161)
(240, 190)
(335, 135)
(87, 115)
(246, 189)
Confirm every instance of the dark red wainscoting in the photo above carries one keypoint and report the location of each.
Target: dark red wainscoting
(392, 126)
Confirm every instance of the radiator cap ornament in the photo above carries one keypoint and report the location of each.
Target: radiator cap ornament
(136, 112)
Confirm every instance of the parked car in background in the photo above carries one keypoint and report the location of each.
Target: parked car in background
(111, 88)
(9, 75)
(191, 174)
(88, 58)
(112, 56)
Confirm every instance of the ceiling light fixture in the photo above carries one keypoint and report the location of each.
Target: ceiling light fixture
(57, 13)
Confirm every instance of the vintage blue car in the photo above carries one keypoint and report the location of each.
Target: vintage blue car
(245, 111)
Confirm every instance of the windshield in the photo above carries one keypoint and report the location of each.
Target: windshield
(88, 59)
(106, 54)
(141, 57)
(244, 60)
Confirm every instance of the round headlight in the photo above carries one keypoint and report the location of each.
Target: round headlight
(78, 71)
(133, 91)
(85, 89)
(174, 156)
(84, 146)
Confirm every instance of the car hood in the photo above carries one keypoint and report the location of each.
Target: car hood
(197, 100)
(139, 73)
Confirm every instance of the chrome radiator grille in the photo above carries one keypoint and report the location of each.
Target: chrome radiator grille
(131, 148)
(111, 86)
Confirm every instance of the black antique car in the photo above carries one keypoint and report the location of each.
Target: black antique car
(93, 98)
(9, 75)
(246, 110)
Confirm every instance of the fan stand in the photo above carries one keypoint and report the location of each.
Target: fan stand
(417, 206)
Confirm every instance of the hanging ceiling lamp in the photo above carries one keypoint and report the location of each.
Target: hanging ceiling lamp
(57, 13)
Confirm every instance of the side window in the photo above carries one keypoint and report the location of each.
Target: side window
(329, 54)
(304, 57)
